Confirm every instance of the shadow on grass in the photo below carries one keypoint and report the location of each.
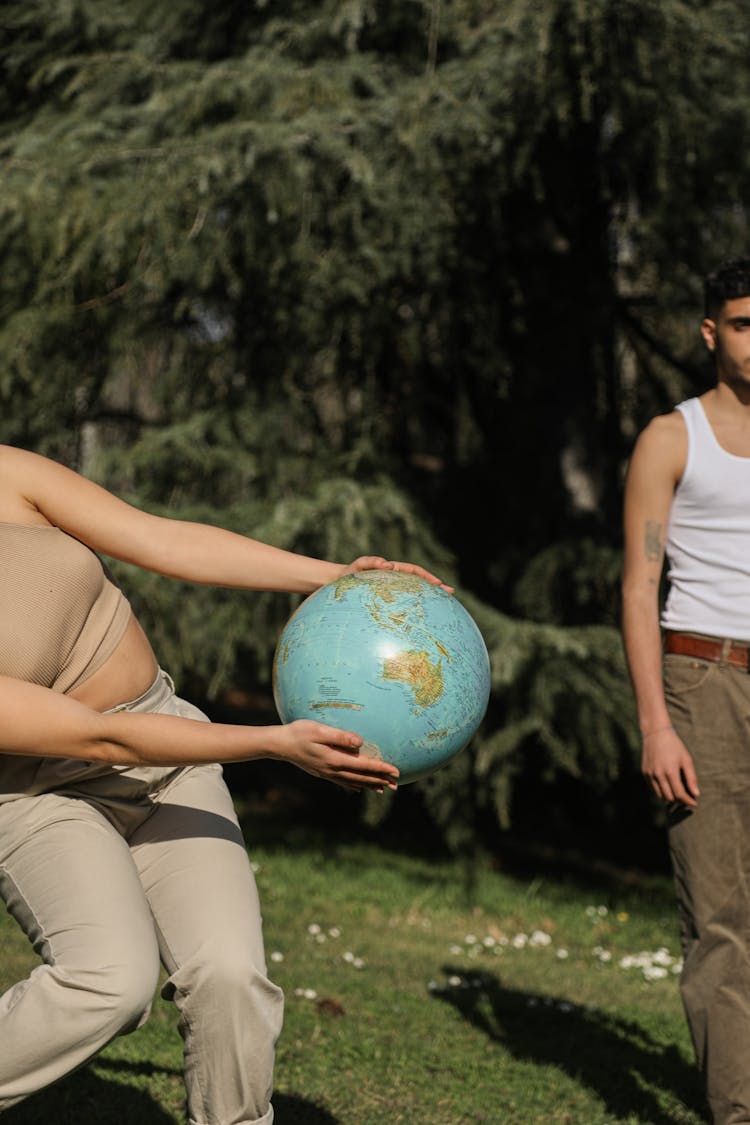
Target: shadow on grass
(89, 1098)
(86, 1098)
(616, 1058)
(292, 1110)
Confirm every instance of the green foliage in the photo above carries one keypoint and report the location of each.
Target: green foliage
(374, 276)
(564, 695)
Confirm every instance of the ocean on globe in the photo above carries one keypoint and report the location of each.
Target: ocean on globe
(393, 658)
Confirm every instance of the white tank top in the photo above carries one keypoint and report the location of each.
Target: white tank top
(708, 537)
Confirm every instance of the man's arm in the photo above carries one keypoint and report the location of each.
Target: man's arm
(656, 466)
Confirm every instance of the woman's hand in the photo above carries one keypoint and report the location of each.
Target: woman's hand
(333, 755)
(374, 562)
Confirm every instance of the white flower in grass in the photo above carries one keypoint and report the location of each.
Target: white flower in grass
(255, 868)
(597, 911)
(321, 938)
(456, 950)
(520, 940)
(277, 955)
(662, 957)
(358, 963)
(306, 993)
(348, 956)
(313, 928)
(654, 965)
(334, 932)
(454, 981)
(470, 939)
(562, 954)
(539, 937)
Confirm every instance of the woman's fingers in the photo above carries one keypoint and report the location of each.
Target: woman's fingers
(336, 755)
(375, 562)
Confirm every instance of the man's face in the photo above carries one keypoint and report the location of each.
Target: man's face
(728, 337)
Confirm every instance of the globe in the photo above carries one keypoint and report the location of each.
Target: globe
(391, 657)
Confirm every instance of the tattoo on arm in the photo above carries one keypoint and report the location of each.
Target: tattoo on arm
(653, 540)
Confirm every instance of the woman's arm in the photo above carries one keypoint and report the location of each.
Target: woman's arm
(38, 722)
(656, 466)
(193, 552)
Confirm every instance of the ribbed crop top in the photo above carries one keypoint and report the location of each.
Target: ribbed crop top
(708, 537)
(60, 616)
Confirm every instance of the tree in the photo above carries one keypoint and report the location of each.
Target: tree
(402, 276)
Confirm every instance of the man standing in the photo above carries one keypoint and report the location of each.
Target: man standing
(688, 495)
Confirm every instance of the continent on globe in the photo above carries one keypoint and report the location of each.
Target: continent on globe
(392, 657)
(417, 670)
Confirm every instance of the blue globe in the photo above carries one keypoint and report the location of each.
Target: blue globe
(391, 657)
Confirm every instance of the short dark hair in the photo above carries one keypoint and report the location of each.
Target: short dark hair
(730, 280)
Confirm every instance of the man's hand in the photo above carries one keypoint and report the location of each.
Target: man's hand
(669, 768)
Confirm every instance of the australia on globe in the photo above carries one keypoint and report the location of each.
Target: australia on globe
(392, 657)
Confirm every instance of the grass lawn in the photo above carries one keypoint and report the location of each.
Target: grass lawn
(408, 1003)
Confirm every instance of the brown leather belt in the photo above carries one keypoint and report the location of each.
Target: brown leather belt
(708, 648)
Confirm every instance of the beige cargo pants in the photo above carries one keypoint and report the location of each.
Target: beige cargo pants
(109, 874)
(710, 707)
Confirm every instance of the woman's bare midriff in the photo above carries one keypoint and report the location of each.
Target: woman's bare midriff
(125, 675)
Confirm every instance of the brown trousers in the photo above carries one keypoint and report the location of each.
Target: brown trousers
(110, 874)
(709, 704)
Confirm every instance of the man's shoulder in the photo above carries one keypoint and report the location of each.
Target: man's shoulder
(667, 424)
(665, 429)
(662, 445)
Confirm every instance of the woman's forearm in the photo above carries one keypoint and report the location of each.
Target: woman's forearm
(134, 738)
(140, 739)
(45, 723)
(202, 553)
(39, 722)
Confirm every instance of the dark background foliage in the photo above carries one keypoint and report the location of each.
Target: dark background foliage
(404, 277)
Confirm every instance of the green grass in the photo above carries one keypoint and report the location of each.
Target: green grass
(412, 1023)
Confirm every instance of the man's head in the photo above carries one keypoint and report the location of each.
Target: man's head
(726, 325)
(726, 283)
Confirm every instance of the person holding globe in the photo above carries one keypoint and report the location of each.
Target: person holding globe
(119, 846)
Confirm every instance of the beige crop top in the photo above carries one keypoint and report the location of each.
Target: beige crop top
(60, 616)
